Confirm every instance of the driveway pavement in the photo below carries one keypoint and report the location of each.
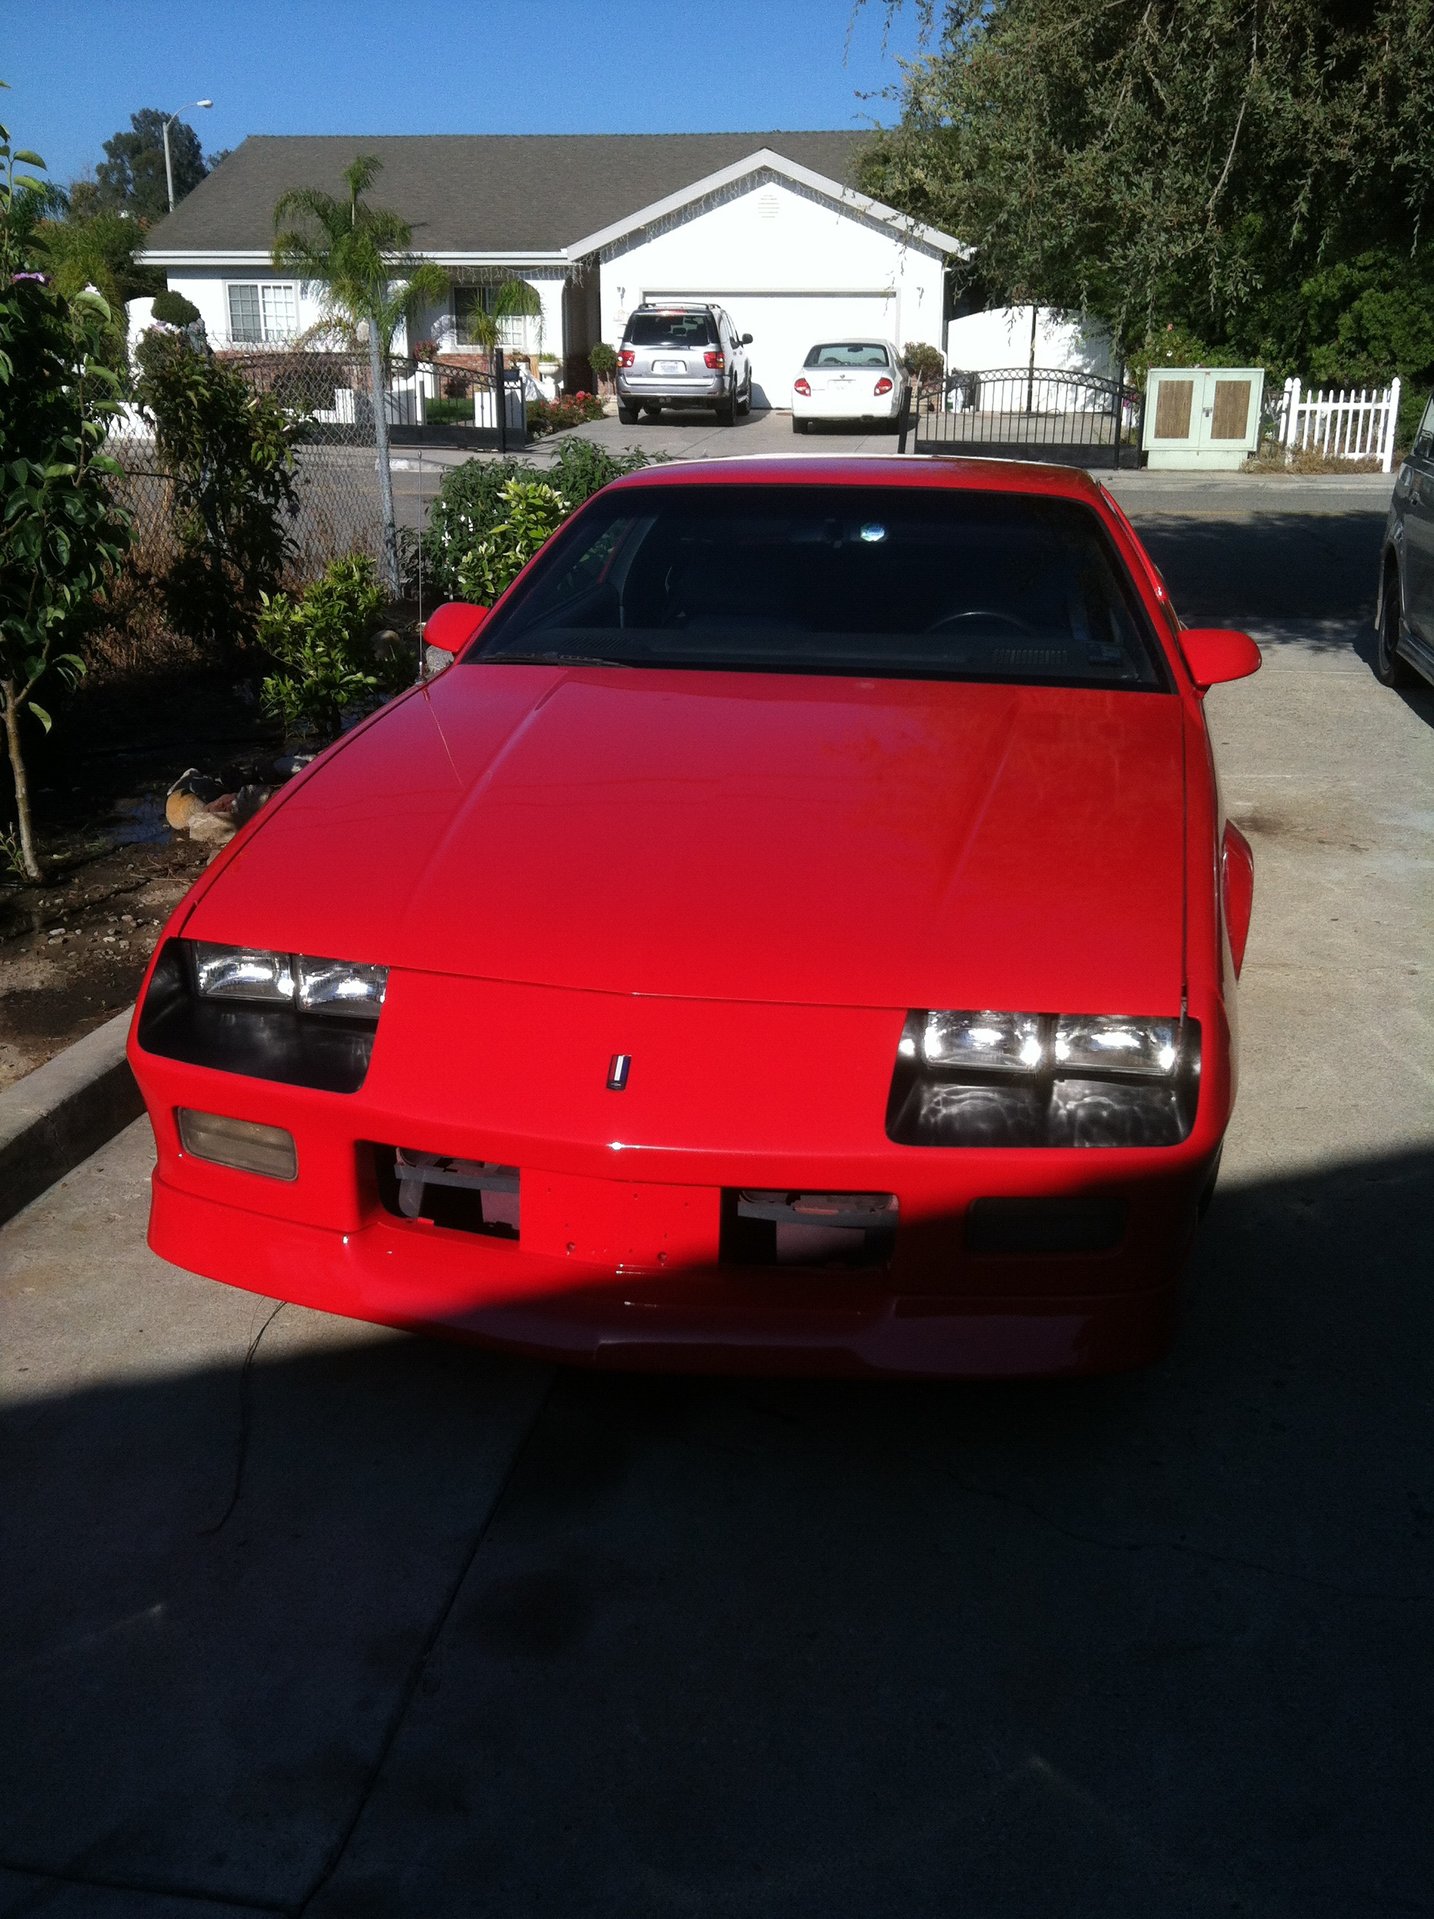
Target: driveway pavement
(307, 1618)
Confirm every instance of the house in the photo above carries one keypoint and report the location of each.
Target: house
(767, 224)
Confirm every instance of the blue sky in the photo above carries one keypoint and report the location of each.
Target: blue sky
(78, 69)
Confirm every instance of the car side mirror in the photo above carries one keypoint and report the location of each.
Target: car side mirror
(1214, 654)
(746, 339)
(451, 626)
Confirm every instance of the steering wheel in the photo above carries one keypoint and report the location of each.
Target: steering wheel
(987, 613)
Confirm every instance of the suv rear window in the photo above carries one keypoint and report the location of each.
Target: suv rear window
(670, 329)
(920, 583)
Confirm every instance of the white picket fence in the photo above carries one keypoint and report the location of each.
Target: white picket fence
(1344, 425)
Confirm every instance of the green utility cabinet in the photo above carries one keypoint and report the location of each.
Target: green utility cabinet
(1202, 416)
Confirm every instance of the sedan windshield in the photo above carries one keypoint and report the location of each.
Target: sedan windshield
(911, 583)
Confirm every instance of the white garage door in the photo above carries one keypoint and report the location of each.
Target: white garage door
(784, 325)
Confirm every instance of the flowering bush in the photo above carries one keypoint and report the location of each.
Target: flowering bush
(551, 416)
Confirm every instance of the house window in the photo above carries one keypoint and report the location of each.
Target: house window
(263, 311)
(517, 332)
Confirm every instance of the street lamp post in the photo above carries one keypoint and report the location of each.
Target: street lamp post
(168, 168)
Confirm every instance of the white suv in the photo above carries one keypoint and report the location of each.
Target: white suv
(682, 356)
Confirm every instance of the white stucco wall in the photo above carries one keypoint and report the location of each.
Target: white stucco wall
(765, 236)
(1001, 337)
(436, 323)
(208, 287)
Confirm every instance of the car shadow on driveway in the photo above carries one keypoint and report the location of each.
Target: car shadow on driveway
(376, 1625)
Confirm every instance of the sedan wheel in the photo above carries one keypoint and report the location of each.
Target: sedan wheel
(798, 426)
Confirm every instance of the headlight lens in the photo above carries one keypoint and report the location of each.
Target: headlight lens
(1105, 1044)
(991, 1042)
(968, 1078)
(333, 986)
(324, 986)
(242, 972)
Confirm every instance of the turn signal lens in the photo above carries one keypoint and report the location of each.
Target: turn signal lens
(241, 1143)
(990, 1042)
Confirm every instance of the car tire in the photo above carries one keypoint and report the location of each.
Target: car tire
(747, 399)
(654, 411)
(798, 426)
(628, 413)
(727, 409)
(1389, 669)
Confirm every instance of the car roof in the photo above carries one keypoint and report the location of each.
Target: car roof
(890, 469)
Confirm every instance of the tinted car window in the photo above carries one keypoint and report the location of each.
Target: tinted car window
(916, 584)
(670, 329)
(853, 353)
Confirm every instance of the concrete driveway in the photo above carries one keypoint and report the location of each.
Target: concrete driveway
(304, 1618)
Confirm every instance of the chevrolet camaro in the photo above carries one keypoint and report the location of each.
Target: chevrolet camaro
(797, 929)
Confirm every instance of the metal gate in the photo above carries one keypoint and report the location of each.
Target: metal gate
(1025, 413)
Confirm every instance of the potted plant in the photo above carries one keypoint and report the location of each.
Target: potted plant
(603, 360)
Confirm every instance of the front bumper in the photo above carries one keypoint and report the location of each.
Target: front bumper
(618, 1258)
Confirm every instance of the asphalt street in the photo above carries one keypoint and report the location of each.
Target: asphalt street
(302, 1617)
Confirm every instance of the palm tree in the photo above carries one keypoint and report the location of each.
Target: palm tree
(362, 255)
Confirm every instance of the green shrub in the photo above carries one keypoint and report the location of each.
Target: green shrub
(228, 449)
(61, 535)
(173, 309)
(449, 412)
(603, 360)
(532, 509)
(551, 416)
(322, 643)
(924, 363)
(471, 503)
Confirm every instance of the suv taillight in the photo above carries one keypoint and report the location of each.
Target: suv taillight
(883, 385)
(626, 356)
(715, 360)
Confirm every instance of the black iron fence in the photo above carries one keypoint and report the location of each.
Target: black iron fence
(1025, 413)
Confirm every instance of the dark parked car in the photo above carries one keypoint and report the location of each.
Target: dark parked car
(1404, 615)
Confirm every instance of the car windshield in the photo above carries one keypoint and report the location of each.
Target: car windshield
(849, 353)
(670, 329)
(912, 583)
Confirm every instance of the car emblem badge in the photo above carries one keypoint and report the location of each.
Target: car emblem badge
(617, 1072)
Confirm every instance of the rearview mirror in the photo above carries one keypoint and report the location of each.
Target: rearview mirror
(451, 626)
(746, 339)
(1217, 653)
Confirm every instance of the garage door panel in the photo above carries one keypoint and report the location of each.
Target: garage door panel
(784, 326)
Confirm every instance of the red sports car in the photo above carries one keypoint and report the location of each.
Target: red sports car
(798, 931)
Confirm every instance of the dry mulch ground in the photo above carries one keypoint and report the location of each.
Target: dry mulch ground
(73, 952)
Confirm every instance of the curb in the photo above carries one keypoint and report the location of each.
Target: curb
(64, 1111)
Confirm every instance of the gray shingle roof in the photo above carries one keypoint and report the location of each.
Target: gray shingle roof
(479, 192)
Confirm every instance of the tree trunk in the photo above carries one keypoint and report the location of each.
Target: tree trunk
(388, 557)
(29, 864)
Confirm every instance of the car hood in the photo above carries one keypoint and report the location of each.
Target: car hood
(738, 836)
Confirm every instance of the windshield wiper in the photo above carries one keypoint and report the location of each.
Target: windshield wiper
(547, 659)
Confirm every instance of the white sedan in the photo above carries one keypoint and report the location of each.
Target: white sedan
(849, 380)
